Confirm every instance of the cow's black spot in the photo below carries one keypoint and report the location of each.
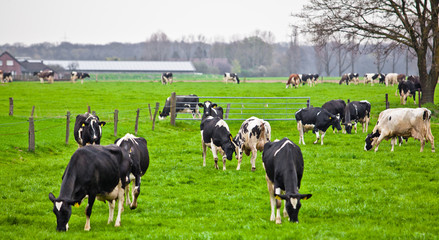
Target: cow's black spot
(256, 131)
(390, 118)
(245, 127)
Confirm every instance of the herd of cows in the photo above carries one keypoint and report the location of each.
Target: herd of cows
(105, 172)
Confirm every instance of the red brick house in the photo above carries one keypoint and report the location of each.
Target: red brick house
(9, 63)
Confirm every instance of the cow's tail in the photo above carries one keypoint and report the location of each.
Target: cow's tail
(262, 138)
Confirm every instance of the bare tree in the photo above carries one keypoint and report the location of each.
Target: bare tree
(158, 47)
(413, 23)
(325, 54)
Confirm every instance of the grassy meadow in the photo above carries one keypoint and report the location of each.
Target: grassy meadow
(356, 194)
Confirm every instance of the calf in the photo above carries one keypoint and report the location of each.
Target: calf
(406, 89)
(138, 152)
(88, 129)
(283, 164)
(45, 75)
(357, 111)
(184, 103)
(167, 77)
(251, 137)
(336, 107)
(231, 77)
(211, 109)
(293, 81)
(79, 75)
(317, 119)
(215, 134)
(401, 122)
(97, 172)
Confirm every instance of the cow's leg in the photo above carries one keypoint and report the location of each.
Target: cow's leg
(91, 200)
(253, 158)
(355, 126)
(392, 142)
(136, 192)
(278, 205)
(224, 161)
(323, 135)
(317, 137)
(380, 138)
(238, 167)
(111, 204)
(272, 199)
(300, 129)
(422, 144)
(215, 154)
(203, 144)
(120, 201)
(127, 193)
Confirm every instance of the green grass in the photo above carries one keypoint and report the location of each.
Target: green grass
(356, 194)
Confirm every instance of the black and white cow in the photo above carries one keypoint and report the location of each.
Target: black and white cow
(357, 111)
(167, 77)
(211, 109)
(5, 77)
(79, 75)
(138, 152)
(349, 77)
(184, 104)
(406, 89)
(231, 77)
(370, 77)
(251, 137)
(215, 134)
(97, 172)
(283, 164)
(88, 129)
(416, 81)
(336, 107)
(316, 119)
(306, 78)
(45, 75)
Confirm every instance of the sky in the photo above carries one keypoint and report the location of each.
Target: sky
(133, 21)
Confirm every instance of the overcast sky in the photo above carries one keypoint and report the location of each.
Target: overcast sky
(133, 21)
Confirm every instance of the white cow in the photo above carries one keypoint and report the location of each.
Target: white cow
(401, 122)
(252, 136)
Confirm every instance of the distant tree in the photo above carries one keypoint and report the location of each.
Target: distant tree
(157, 47)
(413, 23)
(236, 66)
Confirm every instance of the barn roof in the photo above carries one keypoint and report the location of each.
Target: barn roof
(124, 66)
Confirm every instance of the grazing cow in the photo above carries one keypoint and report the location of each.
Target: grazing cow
(357, 111)
(406, 89)
(315, 78)
(215, 134)
(293, 80)
(401, 122)
(79, 75)
(88, 129)
(97, 172)
(184, 104)
(5, 77)
(391, 78)
(211, 109)
(231, 77)
(138, 152)
(305, 78)
(251, 137)
(336, 107)
(349, 77)
(370, 77)
(167, 77)
(283, 164)
(317, 119)
(45, 75)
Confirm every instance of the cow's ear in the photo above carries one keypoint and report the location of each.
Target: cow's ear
(214, 105)
(200, 105)
(103, 124)
(52, 197)
(305, 196)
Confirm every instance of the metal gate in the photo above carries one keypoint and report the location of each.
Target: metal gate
(267, 108)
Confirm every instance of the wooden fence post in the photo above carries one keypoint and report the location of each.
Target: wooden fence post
(11, 106)
(155, 114)
(116, 119)
(32, 132)
(89, 110)
(67, 127)
(307, 103)
(227, 111)
(173, 106)
(150, 115)
(387, 101)
(137, 122)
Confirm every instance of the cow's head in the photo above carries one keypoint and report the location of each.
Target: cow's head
(348, 127)
(208, 107)
(91, 130)
(230, 147)
(335, 121)
(293, 205)
(63, 211)
(371, 140)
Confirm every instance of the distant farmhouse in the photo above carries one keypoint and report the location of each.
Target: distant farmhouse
(24, 68)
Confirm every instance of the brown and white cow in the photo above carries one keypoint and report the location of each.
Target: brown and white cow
(293, 80)
(252, 136)
(45, 75)
(401, 122)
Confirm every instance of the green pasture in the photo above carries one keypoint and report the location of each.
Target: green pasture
(356, 194)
